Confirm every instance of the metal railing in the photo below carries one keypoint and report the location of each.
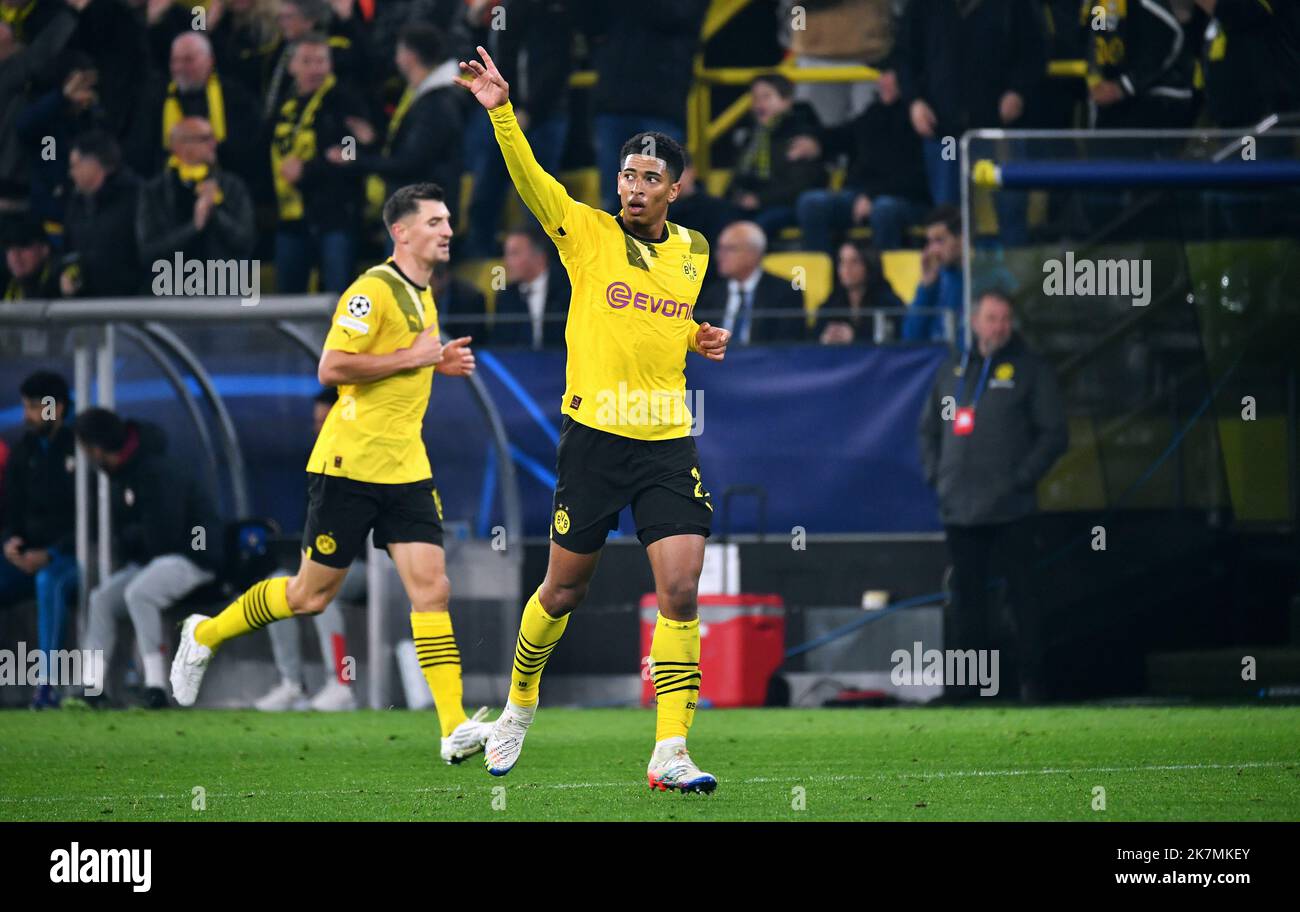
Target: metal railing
(98, 322)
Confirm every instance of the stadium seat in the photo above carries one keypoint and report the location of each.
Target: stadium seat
(903, 270)
(817, 276)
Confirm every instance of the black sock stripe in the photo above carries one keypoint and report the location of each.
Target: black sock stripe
(664, 693)
(442, 662)
(655, 664)
(532, 654)
(263, 606)
(673, 682)
(529, 667)
(251, 615)
(431, 639)
(531, 644)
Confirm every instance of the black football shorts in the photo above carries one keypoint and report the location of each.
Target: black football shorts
(340, 511)
(599, 473)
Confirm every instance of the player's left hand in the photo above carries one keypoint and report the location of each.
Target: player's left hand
(485, 81)
(711, 341)
(457, 358)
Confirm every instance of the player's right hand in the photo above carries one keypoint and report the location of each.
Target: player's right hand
(426, 350)
(484, 81)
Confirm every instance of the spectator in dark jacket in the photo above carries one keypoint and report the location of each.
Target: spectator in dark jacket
(744, 299)
(771, 173)
(534, 55)
(644, 59)
(193, 208)
(1252, 60)
(245, 38)
(40, 510)
(33, 272)
(165, 531)
(968, 65)
(885, 184)
(20, 66)
(860, 286)
(535, 303)
(196, 89)
(319, 201)
(51, 122)
(422, 141)
(100, 258)
(992, 427)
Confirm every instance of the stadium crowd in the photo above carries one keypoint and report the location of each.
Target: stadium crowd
(134, 131)
(138, 130)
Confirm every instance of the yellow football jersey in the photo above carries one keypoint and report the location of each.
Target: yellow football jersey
(374, 432)
(630, 318)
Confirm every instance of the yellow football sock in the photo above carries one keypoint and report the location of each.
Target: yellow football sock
(435, 646)
(263, 603)
(675, 663)
(538, 634)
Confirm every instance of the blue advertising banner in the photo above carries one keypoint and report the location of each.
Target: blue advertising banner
(827, 432)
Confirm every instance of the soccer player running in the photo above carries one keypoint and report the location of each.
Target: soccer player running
(626, 435)
(369, 469)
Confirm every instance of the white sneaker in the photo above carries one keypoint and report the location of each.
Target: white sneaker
(506, 739)
(334, 697)
(281, 698)
(467, 738)
(189, 663)
(671, 767)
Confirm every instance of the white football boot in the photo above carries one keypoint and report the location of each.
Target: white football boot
(281, 698)
(671, 767)
(467, 738)
(506, 739)
(334, 697)
(189, 663)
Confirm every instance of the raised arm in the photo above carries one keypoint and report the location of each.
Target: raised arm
(544, 196)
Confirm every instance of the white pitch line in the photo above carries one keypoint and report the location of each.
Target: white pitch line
(758, 780)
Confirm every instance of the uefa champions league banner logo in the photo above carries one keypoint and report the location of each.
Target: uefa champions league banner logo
(179, 277)
(57, 668)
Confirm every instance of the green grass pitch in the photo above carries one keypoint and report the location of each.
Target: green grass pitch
(987, 763)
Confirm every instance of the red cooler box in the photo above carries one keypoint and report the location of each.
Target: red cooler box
(742, 642)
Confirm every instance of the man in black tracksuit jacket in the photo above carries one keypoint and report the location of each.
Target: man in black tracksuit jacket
(1138, 74)
(993, 426)
(166, 534)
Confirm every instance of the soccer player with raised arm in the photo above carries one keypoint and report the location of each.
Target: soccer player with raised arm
(369, 469)
(626, 433)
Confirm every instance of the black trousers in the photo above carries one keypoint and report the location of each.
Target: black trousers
(980, 556)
